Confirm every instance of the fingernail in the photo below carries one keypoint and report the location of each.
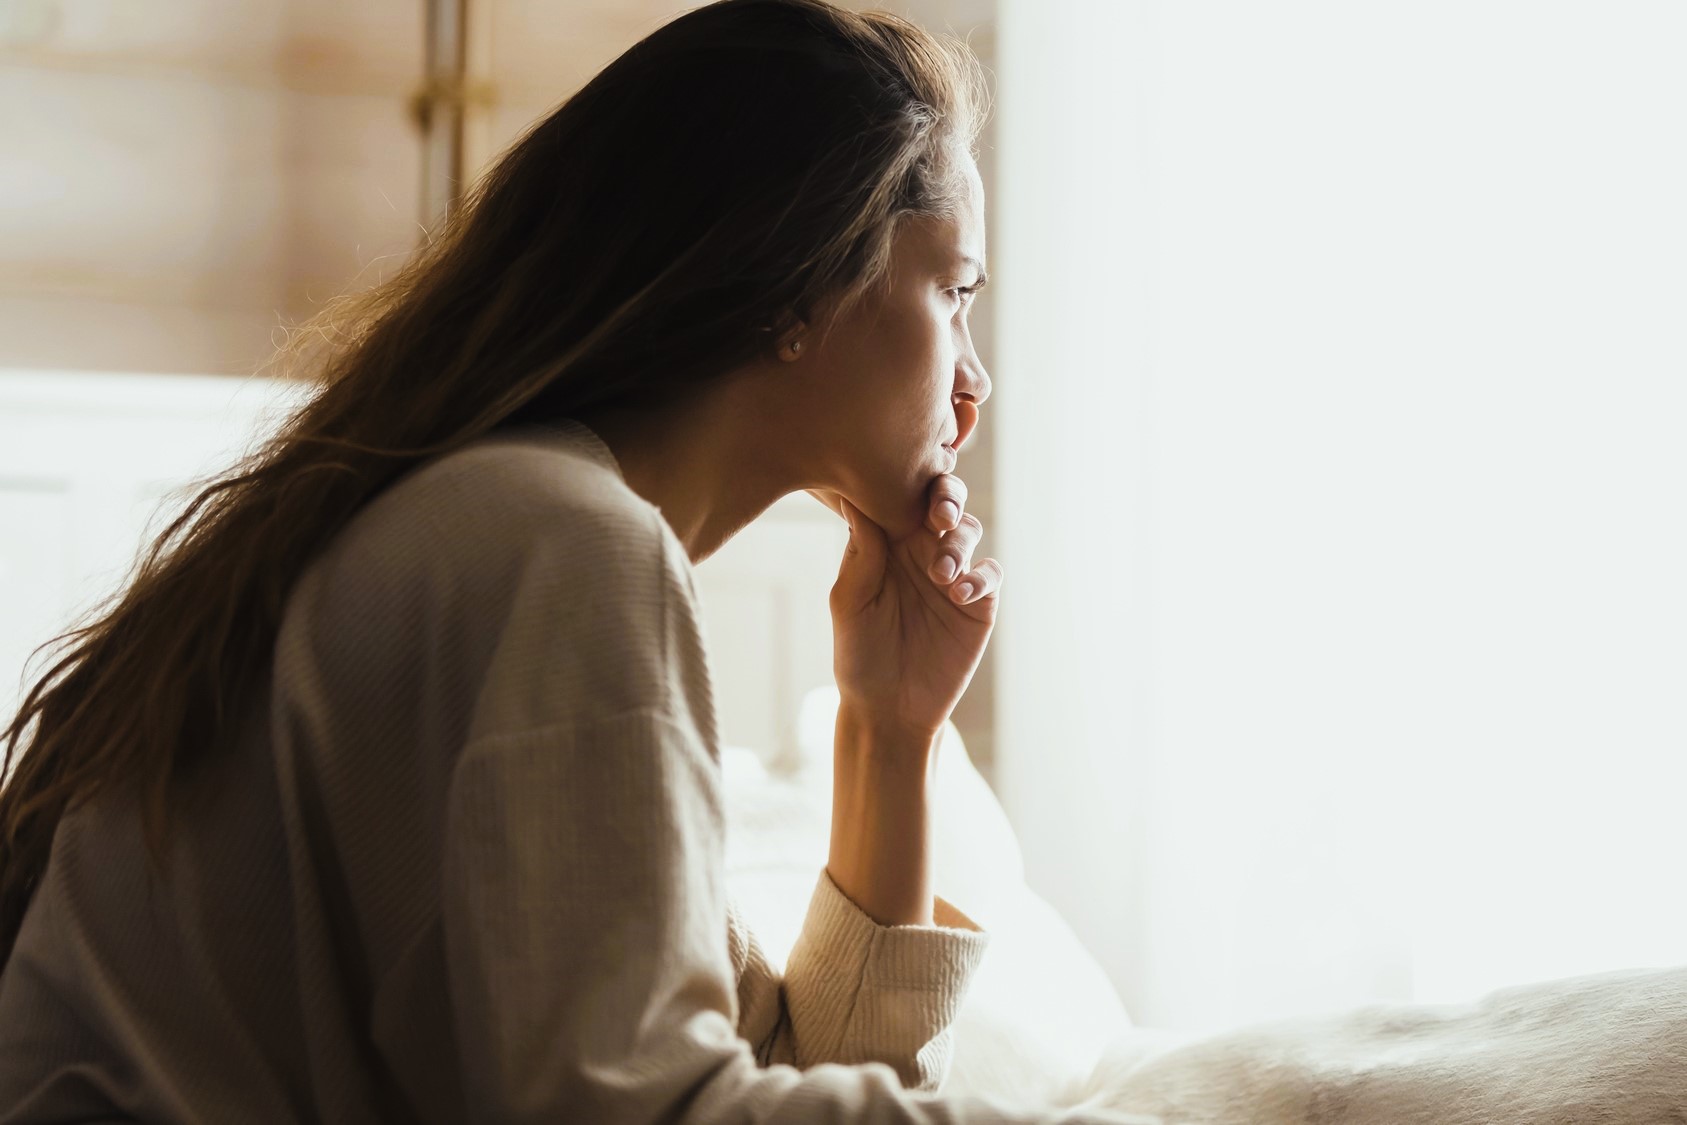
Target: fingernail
(964, 591)
(948, 512)
(946, 569)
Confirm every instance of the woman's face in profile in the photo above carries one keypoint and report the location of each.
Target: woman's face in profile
(899, 377)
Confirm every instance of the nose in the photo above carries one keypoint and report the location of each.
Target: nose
(973, 382)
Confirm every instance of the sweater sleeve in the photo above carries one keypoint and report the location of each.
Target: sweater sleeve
(589, 974)
(856, 991)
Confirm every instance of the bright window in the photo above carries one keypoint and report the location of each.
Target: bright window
(1380, 308)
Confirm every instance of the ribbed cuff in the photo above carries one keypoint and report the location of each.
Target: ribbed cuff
(859, 991)
(848, 943)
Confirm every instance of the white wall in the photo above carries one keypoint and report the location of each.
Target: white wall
(93, 464)
(1340, 393)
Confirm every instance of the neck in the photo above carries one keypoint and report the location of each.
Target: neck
(703, 463)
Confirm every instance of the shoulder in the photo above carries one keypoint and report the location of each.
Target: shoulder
(481, 515)
(513, 488)
(518, 560)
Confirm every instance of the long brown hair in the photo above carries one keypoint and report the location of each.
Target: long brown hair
(741, 165)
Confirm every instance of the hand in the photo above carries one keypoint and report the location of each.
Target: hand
(905, 641)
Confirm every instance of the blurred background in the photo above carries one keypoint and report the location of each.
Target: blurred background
(1335, 457)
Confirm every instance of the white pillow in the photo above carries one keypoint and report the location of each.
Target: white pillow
(1040, 1010)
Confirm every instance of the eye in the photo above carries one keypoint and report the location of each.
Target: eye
(967, 291)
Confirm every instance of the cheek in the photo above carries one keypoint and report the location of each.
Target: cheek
(895, 393)
(914, 378)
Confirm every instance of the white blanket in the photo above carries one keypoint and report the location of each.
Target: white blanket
(1589, 1050)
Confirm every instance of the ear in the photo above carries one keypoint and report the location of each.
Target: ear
(778, 337)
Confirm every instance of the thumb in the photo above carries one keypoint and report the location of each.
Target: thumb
(862, 571)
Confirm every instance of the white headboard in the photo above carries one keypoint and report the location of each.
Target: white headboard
(769, 628)
(85, 459)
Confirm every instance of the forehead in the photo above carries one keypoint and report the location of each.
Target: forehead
(968, 224)
(972, 213)
(942, 241)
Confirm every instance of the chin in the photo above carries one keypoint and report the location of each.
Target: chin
(913, 516)
(901, 506)
(915, 504)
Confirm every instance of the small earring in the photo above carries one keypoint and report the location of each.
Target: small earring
(796, 346)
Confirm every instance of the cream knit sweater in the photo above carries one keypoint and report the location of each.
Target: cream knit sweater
(464, 862)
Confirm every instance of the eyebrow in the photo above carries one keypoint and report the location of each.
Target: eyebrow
(983, 278)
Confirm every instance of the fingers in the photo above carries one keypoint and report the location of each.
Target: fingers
(948, 500)
(982, 582)
(954, 551)
(959, 532)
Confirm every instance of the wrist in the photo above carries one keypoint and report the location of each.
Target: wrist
(880, 855)
(866, 735)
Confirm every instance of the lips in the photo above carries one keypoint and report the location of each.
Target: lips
(966, 415)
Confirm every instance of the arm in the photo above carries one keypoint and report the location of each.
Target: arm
(881, 825)
(868, 980)
(881, 966)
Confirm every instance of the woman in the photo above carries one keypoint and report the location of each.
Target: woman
(389, 789)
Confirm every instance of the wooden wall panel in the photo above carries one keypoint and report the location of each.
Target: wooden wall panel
(181, 177)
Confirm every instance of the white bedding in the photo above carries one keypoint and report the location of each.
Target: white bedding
(1600, 1049)
(1042, 1025)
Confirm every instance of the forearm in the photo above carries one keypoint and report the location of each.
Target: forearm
(882, 782)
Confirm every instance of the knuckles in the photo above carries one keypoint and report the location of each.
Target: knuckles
(949, 487)
(970, 529)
